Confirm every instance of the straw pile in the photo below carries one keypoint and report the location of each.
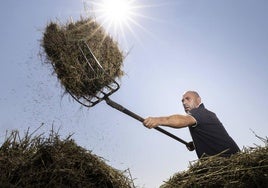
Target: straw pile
(52, 162)
(249, 168)
(61, 48)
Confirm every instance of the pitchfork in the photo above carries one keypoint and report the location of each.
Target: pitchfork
(108, 90)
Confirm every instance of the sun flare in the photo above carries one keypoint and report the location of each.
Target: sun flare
(119, 17)
(116, 11)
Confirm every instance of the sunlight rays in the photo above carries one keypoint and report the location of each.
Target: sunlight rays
(121, 18)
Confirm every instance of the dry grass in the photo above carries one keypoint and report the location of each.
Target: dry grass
(79, 77)
(41, 161)
(249, 168)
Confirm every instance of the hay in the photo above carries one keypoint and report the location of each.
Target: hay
(60, 44)
(249, 168)
(52, 162)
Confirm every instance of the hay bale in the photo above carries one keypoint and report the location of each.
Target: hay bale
(61, 48)
(52, 162)
(248, 168)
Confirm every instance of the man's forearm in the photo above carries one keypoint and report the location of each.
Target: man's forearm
(175, 121)
(178, 121)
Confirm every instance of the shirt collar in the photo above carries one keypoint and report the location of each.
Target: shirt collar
(201, 105)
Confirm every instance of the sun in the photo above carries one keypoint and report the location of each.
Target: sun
(116, 12)
(118, 17)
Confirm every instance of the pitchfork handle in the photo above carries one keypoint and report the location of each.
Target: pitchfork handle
(189, 145)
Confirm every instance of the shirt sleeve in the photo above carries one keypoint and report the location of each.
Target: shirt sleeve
(194, 125)
(196, 115)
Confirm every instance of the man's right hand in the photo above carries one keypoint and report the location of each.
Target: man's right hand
(151, 122)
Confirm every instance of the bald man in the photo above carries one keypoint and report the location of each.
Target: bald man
(208, 134)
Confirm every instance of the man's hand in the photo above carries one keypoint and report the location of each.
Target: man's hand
(151, 122)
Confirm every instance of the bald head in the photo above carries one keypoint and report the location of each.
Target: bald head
(192, 92)
(190, 100)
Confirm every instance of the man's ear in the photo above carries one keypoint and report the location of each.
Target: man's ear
(199, 100)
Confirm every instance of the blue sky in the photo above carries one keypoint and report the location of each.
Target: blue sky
(218, 48)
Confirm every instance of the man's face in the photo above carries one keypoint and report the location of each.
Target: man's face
(190, 101)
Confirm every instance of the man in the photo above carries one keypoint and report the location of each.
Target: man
(208, 134)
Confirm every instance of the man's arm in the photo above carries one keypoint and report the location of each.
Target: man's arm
(175, 121)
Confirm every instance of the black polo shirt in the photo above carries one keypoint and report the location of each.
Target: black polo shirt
(209, 135)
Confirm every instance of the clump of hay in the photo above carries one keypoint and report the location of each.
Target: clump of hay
(248, 168)
(61, 47)
(51, 162)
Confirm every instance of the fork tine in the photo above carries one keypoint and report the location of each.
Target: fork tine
(106, 91)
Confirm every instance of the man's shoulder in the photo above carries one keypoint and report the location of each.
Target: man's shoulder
(200, 108)
(201, 111)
